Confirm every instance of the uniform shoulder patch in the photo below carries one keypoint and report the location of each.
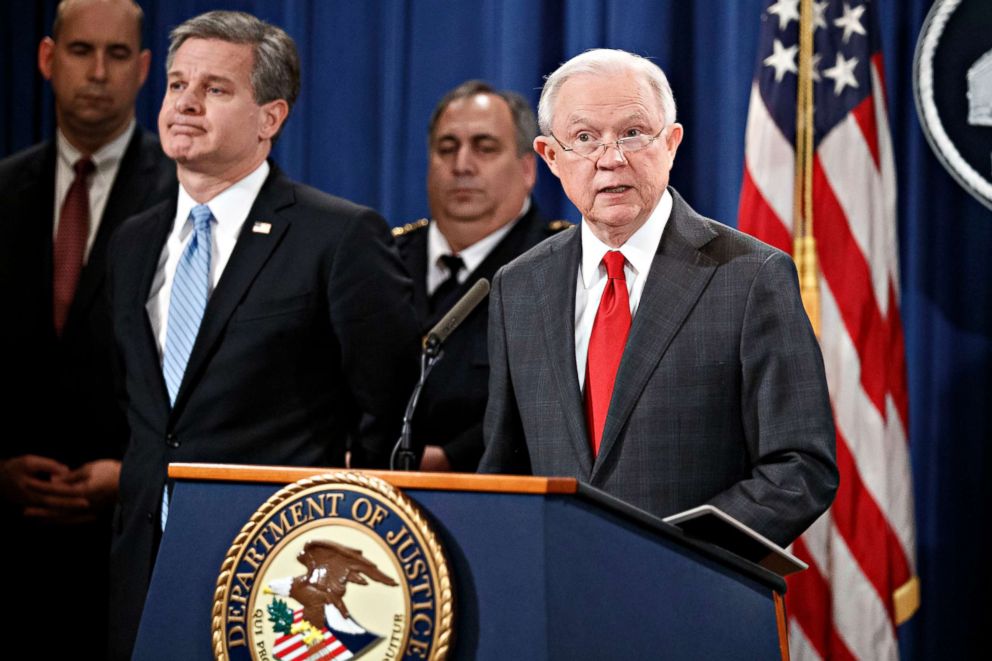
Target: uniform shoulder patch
(410, 227)
(559, 225)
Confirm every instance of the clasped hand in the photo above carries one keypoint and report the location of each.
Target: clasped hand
(49, 490)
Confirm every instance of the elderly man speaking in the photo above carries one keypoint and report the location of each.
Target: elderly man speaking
(653, 353)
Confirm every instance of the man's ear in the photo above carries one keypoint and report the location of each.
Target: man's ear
(673, 139)
(144, 60)
(549, 151)
(46, 53)
(274, 113)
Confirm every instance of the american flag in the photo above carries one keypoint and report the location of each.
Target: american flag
(293, 647)
(861, 582)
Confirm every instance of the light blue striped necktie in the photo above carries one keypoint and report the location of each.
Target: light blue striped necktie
(190, 289)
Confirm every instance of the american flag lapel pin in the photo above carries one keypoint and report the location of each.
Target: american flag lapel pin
(261, 227)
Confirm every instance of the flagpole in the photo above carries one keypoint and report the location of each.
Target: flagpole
(804, 243)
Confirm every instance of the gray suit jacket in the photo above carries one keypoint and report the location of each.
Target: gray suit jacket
(720, 397)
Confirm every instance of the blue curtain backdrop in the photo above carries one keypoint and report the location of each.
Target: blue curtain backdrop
(373, 70)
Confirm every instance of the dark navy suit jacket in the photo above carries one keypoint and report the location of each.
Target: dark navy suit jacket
(63, 403)
(453, 402)
(309, 327)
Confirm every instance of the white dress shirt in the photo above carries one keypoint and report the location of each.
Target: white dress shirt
(107, 160)
(638, 251)
(472, 256)
(230, 210)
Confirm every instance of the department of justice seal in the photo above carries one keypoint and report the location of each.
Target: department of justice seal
(952, 82)
(337, 566)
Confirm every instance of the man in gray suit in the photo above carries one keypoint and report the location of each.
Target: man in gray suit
(655, 354)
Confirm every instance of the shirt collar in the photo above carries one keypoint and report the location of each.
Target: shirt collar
(231, 206)
(474, 254)
(639, 250)
(105, 158)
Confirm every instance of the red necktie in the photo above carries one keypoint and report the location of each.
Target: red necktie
(70, 242)
(606, 343)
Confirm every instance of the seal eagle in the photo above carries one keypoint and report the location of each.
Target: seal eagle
(330, 567)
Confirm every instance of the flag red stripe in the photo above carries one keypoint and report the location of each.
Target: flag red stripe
(335, 653)
(867, 532)
(329, 654)
(864, 117)
(758, 219)
(898, 387)
(839, 651)
(295, 646)
(849, 276)
(807, 600)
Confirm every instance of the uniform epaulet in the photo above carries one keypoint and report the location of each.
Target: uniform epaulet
(559, 225)
(410, 227)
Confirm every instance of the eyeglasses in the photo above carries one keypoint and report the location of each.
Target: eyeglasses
(626, 145)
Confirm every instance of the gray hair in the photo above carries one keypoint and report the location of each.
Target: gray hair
(605, 61)
(524, 122)
(275, 71)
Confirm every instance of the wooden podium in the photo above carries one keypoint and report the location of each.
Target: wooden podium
(543, 568)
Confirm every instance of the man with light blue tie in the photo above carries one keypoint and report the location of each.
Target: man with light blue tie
(256, 319)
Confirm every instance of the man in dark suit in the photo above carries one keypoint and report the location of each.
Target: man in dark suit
(480, 173)
(59, 470)
(256, 318)
(653, 353)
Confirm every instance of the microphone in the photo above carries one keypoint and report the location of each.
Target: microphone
(403, 456)
(455, 316)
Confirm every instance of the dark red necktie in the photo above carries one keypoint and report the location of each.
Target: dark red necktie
(606, 343)
(70, 242)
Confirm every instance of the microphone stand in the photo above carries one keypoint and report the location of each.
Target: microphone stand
(404, 458)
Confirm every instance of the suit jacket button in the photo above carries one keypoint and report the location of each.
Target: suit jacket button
(172, 441)
(150, 516)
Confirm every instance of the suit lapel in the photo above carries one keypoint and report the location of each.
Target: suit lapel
(37, 197)
(679, 275)
(144, 260)
(251, 252)
(555, 280)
